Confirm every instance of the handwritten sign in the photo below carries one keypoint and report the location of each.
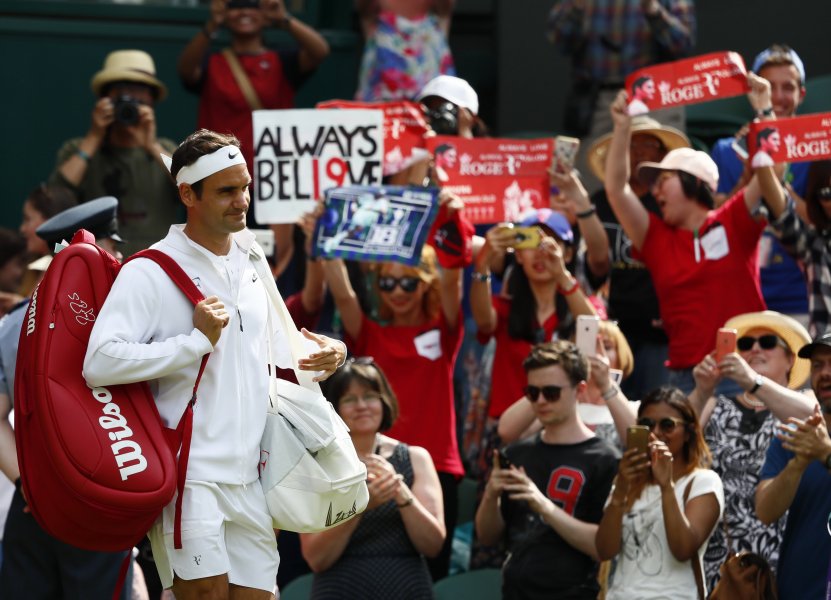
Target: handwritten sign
(299, 154)
(404, 129)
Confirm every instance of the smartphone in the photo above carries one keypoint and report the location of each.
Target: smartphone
(637, 436)
(526, 237)
(565, 151)
(504, 461)
(725, 343)
(586, 335)
(739, 146)
(616, 375)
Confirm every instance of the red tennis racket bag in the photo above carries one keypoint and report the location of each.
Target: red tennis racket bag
(96, 464)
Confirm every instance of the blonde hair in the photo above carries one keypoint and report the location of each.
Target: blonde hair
(625, 358)
(428, 272)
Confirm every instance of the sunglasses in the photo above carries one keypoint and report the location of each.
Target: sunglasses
(766, 342)
(407, 284)
(551, 393)
(665, 424)
(824, 194)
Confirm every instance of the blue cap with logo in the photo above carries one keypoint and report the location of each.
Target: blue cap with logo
(96, 216)
(779, 50)
(555, 221)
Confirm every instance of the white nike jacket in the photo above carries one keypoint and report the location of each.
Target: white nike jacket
(145, 332)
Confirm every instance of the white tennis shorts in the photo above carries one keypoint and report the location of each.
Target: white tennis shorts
(225, 529)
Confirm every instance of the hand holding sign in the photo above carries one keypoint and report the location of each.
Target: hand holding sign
(687, 81)
(760, 93)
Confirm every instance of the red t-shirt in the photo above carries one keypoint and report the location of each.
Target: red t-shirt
(507, 376)
(697, 297)
(222, 105)
(418, 361)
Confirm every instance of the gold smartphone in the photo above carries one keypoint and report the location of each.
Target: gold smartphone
(526, 237)
(637, 436)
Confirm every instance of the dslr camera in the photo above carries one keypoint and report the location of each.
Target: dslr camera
(126, 110)
(444, 119)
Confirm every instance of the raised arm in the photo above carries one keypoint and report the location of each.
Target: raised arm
(765, 184)
(73, 158)
(688, 526)
(497, 240)
(622, 411)
(313, 47)
(346, 300)
(784, 403)
(626, 205)
(189, 65)
(518, 422)
(574, 194)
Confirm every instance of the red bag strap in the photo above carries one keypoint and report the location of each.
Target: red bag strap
(184, 430)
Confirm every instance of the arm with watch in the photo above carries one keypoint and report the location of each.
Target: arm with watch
(783, 402)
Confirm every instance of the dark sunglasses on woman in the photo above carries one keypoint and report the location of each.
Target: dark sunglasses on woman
(766, 342)
(551, 393)
(407, 284)
(666, 424)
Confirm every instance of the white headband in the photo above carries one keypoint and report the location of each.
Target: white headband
(207, 165)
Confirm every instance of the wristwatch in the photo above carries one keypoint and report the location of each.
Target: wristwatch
(757, 383)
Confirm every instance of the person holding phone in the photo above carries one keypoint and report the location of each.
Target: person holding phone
(603, 408)
(542, 299)
(663, 506)
(547, 502)
(739, 428)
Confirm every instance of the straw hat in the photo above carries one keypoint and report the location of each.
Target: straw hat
(669, 136)
(788, 329)
(128, 65)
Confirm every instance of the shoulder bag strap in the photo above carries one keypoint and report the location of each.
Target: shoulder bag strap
(184, 431)
(695, 562)
(295, 338)
(242, 80)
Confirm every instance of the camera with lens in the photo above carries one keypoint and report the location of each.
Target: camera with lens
(126, 110)
(444, 119)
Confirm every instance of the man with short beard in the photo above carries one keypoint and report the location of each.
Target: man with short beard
(795, 478)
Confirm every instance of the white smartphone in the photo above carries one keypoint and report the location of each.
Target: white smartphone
(739, 146)
(586, 336)
(565, 151)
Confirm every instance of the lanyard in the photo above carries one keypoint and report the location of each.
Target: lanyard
(697, 245)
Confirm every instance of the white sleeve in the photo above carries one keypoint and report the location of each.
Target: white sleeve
(122, 348)
(707, 481)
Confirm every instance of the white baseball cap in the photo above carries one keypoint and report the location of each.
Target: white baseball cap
(452, 89)
(695, 162)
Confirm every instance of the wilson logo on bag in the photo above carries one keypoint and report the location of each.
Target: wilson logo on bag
(96, 464)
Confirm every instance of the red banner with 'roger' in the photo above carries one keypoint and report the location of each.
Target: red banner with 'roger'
(688, 81)
(797, 139)
(404, 129)
(498, 179)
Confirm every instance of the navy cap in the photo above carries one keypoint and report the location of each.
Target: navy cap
(555, 221)
(808, 349)
(96, 216)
